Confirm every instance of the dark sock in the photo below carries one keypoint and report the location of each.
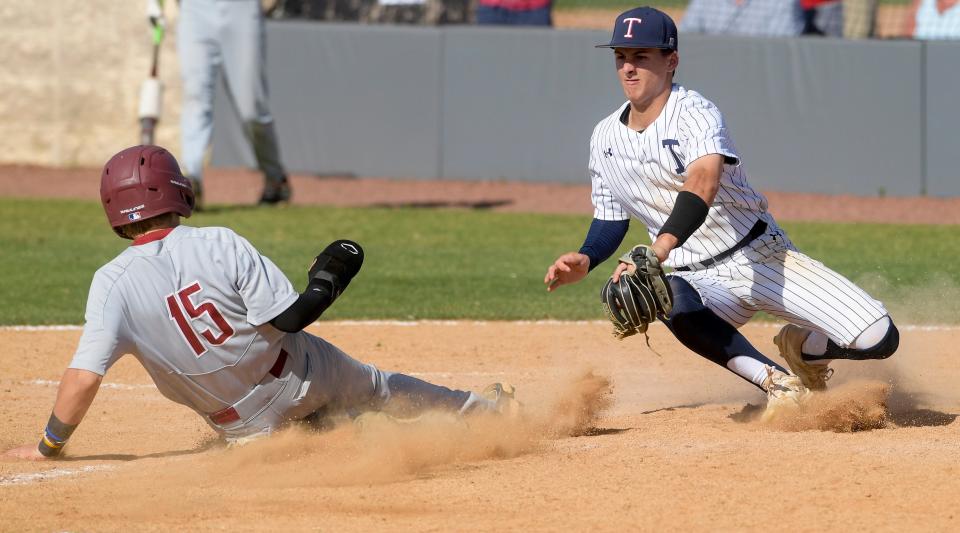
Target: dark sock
(412, 396)
(705, 333)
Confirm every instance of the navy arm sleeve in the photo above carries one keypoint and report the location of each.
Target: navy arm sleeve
(603, 238)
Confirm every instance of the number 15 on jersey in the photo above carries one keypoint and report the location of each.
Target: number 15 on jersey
(181, 307)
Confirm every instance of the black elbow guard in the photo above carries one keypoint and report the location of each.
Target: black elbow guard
(337, 264)
(329, 275)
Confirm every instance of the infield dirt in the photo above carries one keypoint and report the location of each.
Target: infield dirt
(672, 444)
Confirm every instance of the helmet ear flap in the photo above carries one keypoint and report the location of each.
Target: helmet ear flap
(189, 199)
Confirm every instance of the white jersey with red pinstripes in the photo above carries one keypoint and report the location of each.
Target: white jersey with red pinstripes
(638, 174)
(193, 306)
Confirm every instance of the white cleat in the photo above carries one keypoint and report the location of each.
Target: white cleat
(504, 398)
(785, 394)
(790, 342)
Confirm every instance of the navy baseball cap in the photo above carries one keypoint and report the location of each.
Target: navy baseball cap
(643, 27)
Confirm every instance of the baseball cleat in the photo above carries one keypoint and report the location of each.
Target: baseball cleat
(503, 397)
(790, 341)
(785, 394)
(275, 192)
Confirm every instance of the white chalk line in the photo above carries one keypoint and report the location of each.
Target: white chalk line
(42, 328)
(144, 386)
(47, 475)
(116, 386)
(454, 323)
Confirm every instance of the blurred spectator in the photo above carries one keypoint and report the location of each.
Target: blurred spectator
(338, 10)
(429, 12)
(402, 12)
(767, 18)
(935, 19)
(859, 18)
(225, 38)
(518, 12)
(822, 17)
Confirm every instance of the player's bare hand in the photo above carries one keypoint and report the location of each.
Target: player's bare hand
(664, 244)
(27, 452)
(569, 268)
(155, 14)
(621, 268)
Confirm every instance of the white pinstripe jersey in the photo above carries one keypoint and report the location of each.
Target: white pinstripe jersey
(638, 174)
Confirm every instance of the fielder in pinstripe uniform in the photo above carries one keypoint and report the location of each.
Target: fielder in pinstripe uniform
(666, 158)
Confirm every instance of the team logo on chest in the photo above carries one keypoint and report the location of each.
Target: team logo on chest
(608, 152)
(669, 144)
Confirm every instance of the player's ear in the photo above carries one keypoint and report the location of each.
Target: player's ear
(673, 61)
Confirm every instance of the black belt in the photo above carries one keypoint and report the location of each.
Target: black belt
(757, 230)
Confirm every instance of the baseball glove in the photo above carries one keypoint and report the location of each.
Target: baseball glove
(639, 297)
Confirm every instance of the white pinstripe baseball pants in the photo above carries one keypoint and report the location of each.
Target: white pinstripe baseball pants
(770, 275)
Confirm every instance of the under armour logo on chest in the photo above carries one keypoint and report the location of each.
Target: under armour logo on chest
(608, 152)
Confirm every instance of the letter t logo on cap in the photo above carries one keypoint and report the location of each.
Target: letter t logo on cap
(630, 21)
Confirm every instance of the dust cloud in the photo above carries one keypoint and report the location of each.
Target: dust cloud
(382, 450)
(935, 301)
(849, 407)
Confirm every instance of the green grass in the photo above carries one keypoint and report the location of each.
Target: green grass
(424, 263)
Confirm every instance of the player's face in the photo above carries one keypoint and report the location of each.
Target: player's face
(644, 72)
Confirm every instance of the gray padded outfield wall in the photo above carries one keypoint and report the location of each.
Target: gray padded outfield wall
(942, 132)
(522, 104)
(816, 115)
(808, 115)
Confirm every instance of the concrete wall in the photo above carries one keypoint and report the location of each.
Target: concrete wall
(808, 115)
(941, 133)
(70, 76)
(817, 115)
(862, 117)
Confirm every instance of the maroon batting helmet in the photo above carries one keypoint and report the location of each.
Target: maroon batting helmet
(142, 182)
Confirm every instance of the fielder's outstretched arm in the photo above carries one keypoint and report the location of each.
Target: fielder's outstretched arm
(77, 390)
(603, 238)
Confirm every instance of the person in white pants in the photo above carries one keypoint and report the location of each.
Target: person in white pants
(227, 36)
